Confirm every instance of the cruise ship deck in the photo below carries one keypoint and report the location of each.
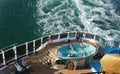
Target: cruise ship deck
(38, 66)
(63, 59)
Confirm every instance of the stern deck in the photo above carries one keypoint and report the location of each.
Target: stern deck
(39, 66)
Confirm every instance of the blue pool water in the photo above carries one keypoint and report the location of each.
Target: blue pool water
(76, 52)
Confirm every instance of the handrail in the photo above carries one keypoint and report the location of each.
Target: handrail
(43, 43)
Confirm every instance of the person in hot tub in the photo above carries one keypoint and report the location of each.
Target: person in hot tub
(71, 47)
(83, 54)
(71, 55)
(82, 44)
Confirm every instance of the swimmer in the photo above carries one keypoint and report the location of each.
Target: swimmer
(71, 46)
(71, 55)
(68, 55)
(83, 54)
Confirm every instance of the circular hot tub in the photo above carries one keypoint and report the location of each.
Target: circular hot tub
(76, 51)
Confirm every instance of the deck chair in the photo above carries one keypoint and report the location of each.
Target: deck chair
(19, 68)
(25, 64)
(12, 72)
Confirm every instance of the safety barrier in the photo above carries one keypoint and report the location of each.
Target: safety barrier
(25, 49)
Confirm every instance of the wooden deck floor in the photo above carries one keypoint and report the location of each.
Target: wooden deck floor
(39, 68)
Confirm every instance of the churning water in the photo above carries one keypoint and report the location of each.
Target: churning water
(24, 20)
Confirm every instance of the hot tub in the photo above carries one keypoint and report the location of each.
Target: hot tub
(76, 51)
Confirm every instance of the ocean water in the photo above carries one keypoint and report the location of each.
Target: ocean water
(25, 20)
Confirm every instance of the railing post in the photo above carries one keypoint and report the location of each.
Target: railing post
(26, 48)
(15, 52)
(59, 36)
(99, 40)
(34, 46)
(3, 55)
(105, 44)
(111, 43)
(84, 35)
(68, 35)
(94, 37)
(41, 41)
(75, 33)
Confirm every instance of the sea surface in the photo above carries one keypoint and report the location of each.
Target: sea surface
(25, 20)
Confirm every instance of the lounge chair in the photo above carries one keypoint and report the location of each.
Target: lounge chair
(25, 64)
(13, 72)
(19, 68)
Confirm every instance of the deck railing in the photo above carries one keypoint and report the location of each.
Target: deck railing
(28, 48)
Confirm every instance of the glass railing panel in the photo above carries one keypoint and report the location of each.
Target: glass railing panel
(37, 43)
(80, 34)
(8, 47)
(45, 39)
(102, 41)
(1, 58)
(88, 35)
(9, 55)
(21, 49)
(64, 35)
(30, 46)
(97, 38)
(54, 37)
(72, 34)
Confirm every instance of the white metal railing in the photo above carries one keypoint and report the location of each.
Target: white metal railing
(40, 43)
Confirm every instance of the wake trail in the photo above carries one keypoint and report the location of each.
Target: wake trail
(94, 16)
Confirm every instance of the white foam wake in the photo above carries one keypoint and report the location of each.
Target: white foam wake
(74, 15)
